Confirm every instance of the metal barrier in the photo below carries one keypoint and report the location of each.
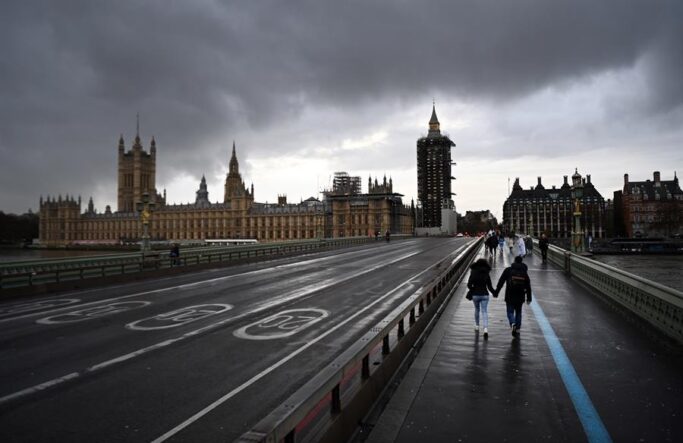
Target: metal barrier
(330, 405)
(659, 305)
(35, 272)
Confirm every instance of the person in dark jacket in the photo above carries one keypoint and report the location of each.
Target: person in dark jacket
(479, 285)
(517, 287)
(543, 246)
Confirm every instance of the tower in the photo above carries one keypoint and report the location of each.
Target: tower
(202, 194)
(137, 172)
(434, 173)
(236, 192)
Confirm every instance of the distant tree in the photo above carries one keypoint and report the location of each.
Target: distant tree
(18, 228)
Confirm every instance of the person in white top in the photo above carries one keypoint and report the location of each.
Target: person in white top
(521, 248)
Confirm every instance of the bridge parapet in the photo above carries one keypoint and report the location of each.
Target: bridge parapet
(657, 304)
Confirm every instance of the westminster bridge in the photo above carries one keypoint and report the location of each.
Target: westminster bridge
(352, 340)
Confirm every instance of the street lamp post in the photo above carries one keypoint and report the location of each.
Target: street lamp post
(145, 208)
(577, 194)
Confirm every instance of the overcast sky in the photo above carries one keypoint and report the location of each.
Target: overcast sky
(306, 88)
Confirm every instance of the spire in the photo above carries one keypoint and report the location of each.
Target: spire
(434, 125)
(137, 130)
(122, 145)
(234, 165)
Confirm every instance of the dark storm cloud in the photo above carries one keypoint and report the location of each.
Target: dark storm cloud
(73, 74)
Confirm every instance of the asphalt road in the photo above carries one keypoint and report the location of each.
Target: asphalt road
(197, 357)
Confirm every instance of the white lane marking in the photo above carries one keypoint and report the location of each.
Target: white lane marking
(283, 324)
(192, 285)
(38, 388)
(93, 312)
(284, 360)
(178, 317)
(19, 308)
(292, 296)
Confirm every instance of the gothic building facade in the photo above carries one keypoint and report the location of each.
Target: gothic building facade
(62, 221)
(434, 175)
(539, 210)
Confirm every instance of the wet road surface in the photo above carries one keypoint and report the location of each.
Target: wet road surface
(196, 357)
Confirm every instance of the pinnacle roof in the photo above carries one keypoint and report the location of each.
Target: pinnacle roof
(433, 119)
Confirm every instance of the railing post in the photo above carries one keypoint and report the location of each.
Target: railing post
(289, 438)
(365, 370)
(421, 309)
(385, 345)
(411, 319)
(401, 330)
(336, 400)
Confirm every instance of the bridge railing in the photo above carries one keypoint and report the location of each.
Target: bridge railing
(657, 304)
(331, 404)
(37, 272)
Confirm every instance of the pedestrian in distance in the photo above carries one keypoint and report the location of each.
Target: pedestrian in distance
(521, 247)
(543, 246)
(511, 242)
(517, 289)
(479, 285)
(175, 255)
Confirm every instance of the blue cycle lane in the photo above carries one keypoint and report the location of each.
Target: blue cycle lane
(580, 371)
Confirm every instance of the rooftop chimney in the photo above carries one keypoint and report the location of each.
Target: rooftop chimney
(588, 178)
(539, 181)
(625, 179)
(657, 176)
(565, 180)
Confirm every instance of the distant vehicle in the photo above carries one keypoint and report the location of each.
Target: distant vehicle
(231, 241)
(459, 234)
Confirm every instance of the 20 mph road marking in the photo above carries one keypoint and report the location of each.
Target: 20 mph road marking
(274, 366)
(264, 306)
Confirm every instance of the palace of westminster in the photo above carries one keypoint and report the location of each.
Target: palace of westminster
(343, 212)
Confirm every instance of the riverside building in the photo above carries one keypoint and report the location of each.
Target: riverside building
(343, 212)
(539, 210)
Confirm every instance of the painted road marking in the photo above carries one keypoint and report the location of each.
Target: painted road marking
(590, 419)
(283, 324)
(284, 360)
(311, 289)
(178, 317)
(199, 283)
(20, 308)
(94, 312)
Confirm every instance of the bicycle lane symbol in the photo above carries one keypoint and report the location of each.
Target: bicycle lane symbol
(94, 312)
(178, 317)
(283, 324)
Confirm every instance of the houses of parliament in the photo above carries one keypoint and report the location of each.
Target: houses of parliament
(344, 210)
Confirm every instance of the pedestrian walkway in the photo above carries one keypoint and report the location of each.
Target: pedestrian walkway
(580, 371)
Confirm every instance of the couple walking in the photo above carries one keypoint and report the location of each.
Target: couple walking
(518, 286)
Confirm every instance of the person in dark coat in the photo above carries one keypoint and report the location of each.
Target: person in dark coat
(543, 246)
(517, 288)
(479, 285)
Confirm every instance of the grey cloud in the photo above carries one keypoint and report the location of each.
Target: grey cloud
(74, 73)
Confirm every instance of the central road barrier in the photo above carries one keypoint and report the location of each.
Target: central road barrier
(42, 272)
(329, 407)
(657, 304)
